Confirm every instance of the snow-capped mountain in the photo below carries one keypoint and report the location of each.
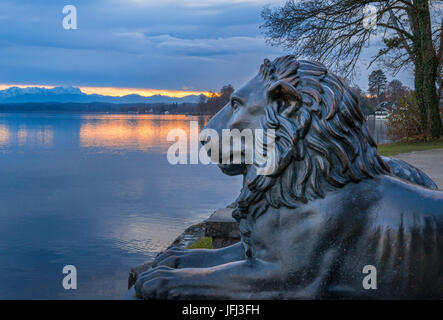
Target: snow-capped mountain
(73, 94)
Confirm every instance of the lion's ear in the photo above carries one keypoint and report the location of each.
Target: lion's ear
(287, 95)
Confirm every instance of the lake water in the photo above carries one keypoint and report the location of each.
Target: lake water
(96, 192)
(378, 129)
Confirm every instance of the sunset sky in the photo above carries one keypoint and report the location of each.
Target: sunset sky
(172, 47)
(119, 92)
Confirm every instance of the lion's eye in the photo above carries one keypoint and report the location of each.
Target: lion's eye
(234, 105)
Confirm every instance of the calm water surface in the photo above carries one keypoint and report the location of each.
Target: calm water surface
(97, 192)
(379, 130)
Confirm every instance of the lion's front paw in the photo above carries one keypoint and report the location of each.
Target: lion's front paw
(186, 258)
(172, 257)
(158, 283)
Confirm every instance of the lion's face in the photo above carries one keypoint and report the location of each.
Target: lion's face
(246, 110)
(321, 140)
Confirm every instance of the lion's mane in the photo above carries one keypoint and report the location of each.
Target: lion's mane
(321, 146)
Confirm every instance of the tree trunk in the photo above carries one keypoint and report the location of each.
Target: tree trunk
(426, 71)
(419, 95)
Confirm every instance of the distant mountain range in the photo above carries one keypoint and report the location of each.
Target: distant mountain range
(75, 95)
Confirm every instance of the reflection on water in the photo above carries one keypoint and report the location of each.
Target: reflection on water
(35, 136)
(4, 134)
(145, 133)
(42, 136)
(141, 132)
(378, 130)
(114, 132)
(65, 201)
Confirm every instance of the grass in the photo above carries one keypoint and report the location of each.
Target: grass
(391, 149)
(202, 243)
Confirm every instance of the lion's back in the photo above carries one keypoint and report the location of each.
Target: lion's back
(403, 240)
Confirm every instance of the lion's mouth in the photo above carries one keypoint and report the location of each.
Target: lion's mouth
(232, 169)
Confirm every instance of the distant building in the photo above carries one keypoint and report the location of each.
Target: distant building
(382, 111)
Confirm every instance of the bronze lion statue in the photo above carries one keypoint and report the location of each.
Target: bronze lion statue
(330, 211)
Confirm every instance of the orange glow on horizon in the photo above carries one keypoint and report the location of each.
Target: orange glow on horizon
(110, 91)
(119, 92)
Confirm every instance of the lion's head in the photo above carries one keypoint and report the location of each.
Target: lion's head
(322, 142)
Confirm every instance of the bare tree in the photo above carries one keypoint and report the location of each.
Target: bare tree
(395, 90)
(333, 32)
(215, 101)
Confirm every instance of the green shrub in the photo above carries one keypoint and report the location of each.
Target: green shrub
(202, 243)
(404, 122)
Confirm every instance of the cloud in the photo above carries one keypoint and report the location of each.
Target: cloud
(168, 44)
(209, 47)
(195, 4)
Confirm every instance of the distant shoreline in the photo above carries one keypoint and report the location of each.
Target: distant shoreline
(103, 112)
(103, 107)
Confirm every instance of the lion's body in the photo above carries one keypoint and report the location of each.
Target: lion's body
(395, 226)
(328, 207)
